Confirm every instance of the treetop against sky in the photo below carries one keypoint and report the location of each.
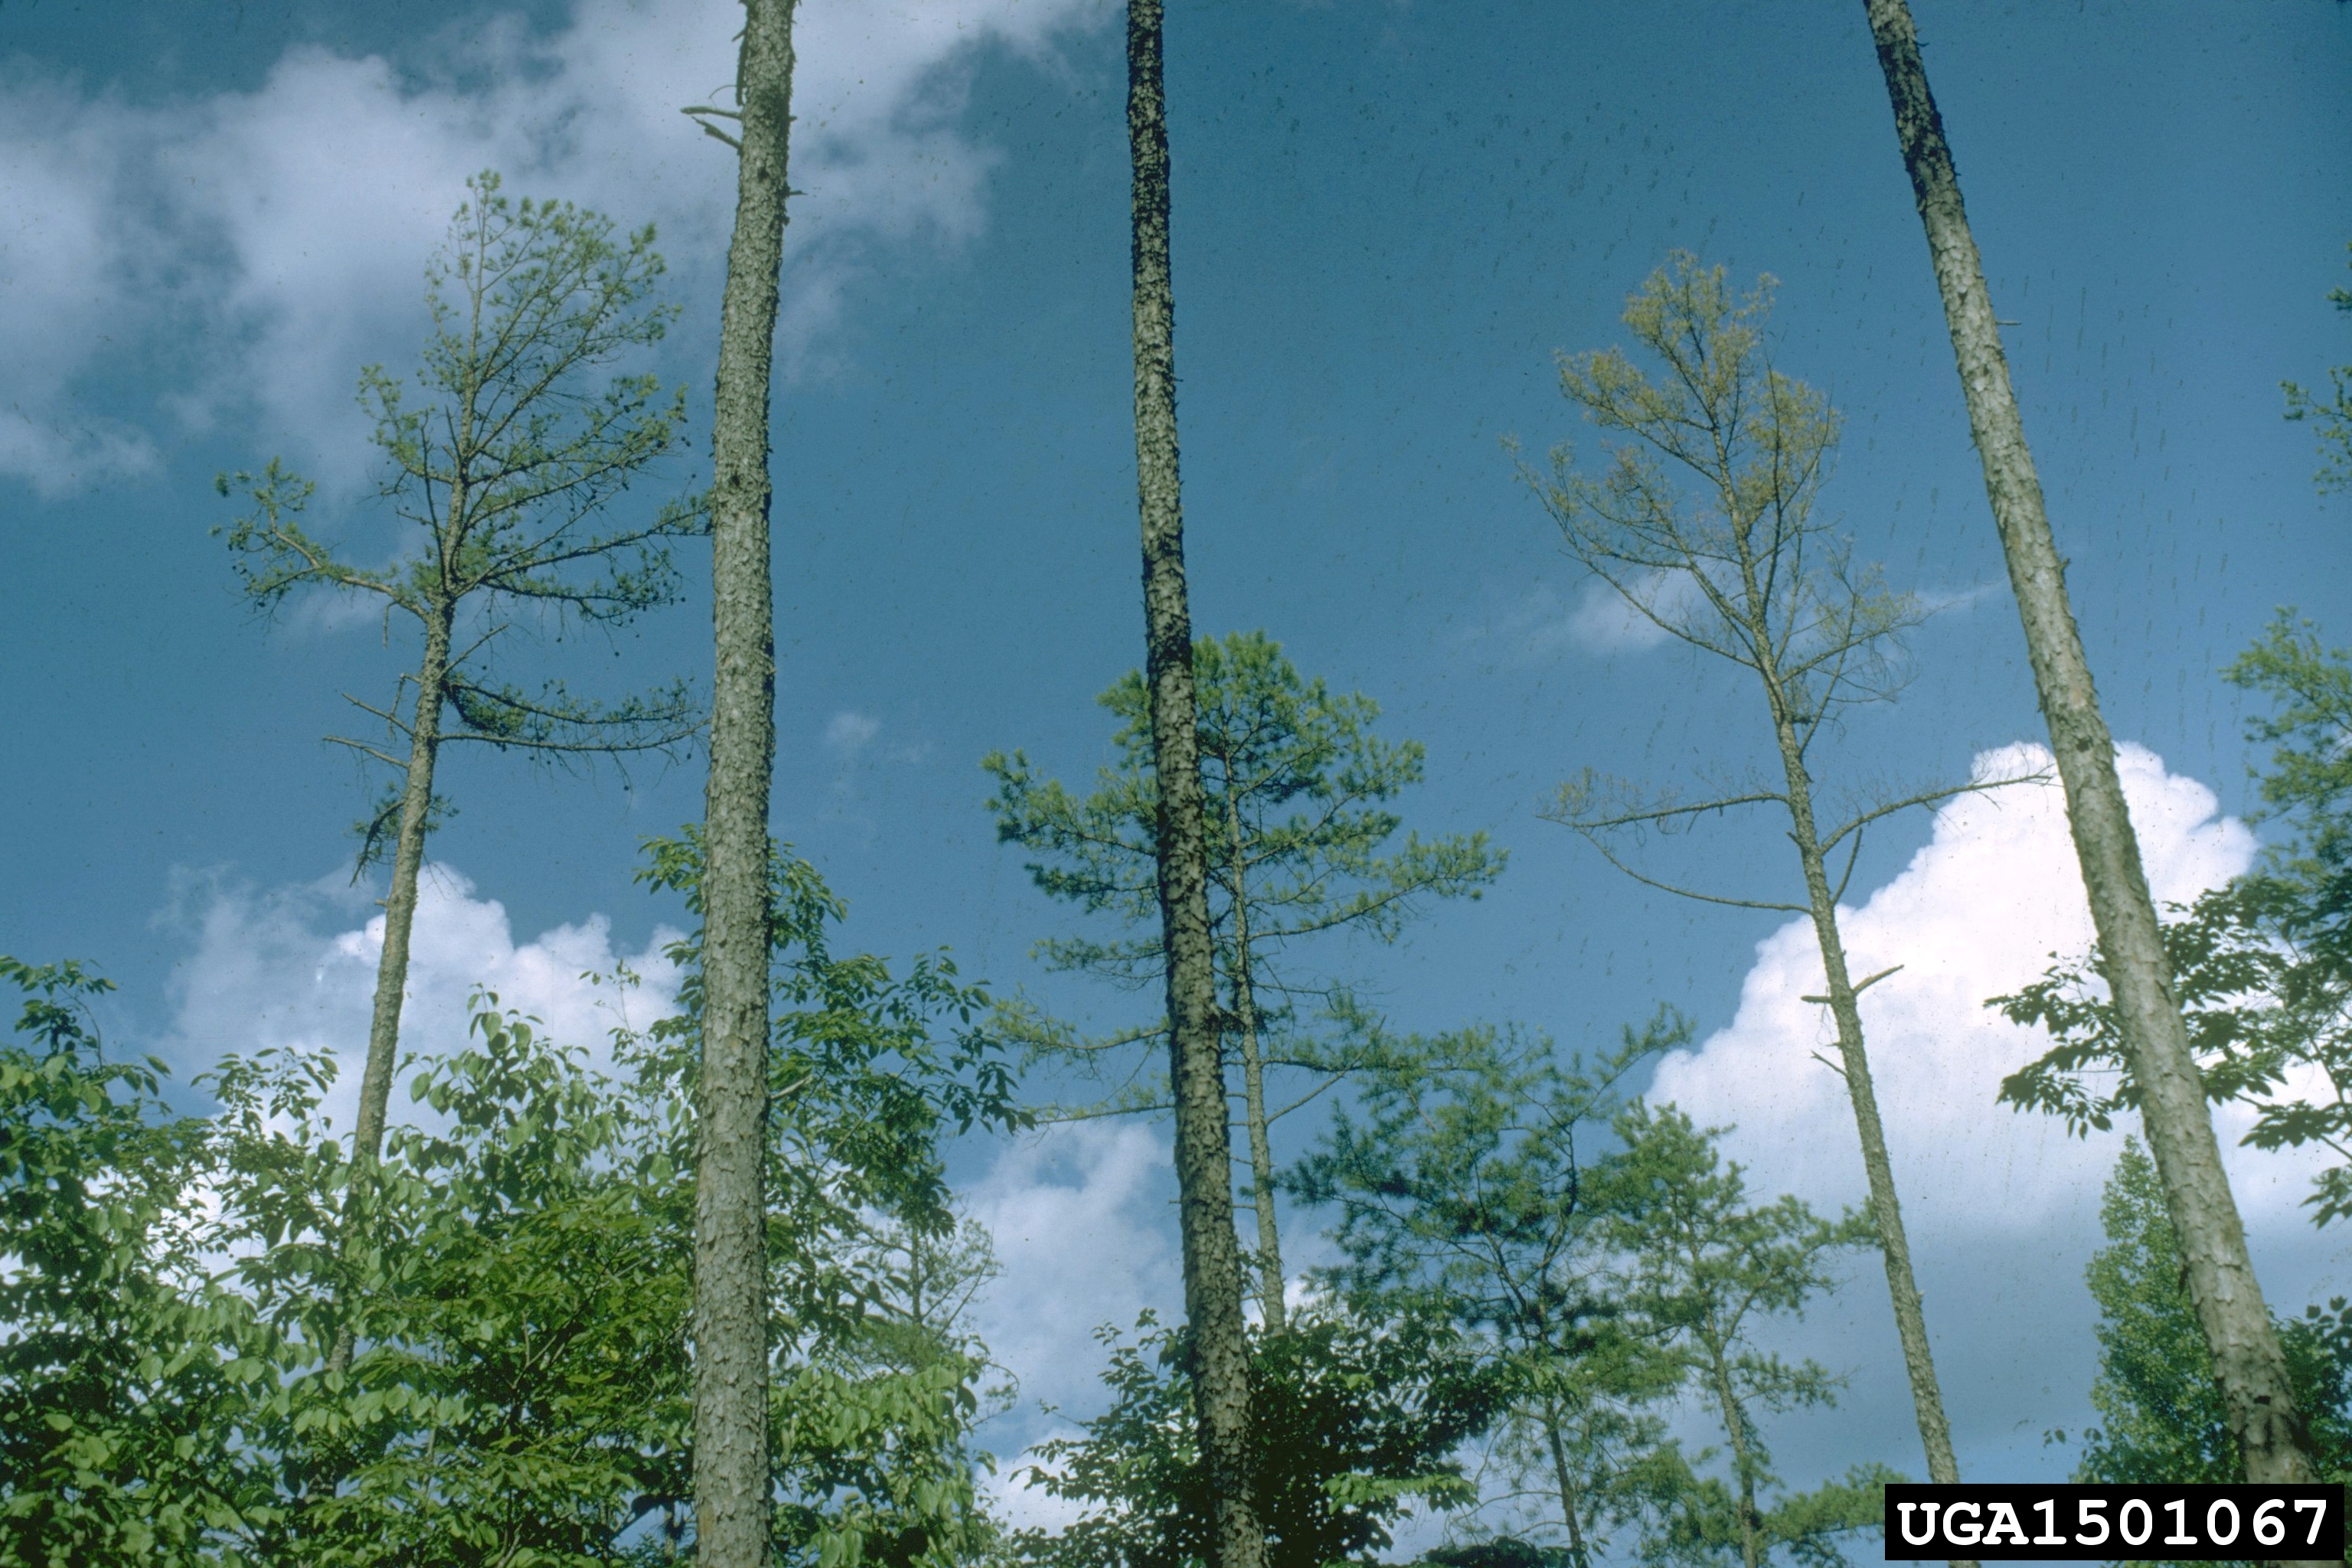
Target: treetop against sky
(1387, 219)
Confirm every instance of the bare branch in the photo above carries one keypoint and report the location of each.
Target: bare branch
(1929, 797)
(1607, 854)
(1858, 990)
(386, 758)
(1563, 813)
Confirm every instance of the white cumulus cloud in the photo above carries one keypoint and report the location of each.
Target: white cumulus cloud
(295, 967)
(290, 223)
(2002, 1208)
(1083, 1224)
(1978, 912)
(1081, 1217)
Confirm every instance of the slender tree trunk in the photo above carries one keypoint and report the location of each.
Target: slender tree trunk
(400, 903)
(1213, 1275)
(399, 925)
(1885, 1210)
(1743, 1458)
(1271, 1289)
(2247, 1363)
(731, 1467)
(1576, 1554)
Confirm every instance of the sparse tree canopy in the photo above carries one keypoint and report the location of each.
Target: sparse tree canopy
(1704, 522)
(508, 459)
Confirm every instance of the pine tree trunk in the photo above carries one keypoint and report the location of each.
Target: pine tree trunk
(1885, 1211)
(1743, 1459)
(2247, 1363)
(730, 1261)
(1578, 1556)
(399, 926)
(400, 902)
(1272, 1291)
(1213, 1275)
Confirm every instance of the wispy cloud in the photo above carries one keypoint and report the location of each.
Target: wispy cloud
(265, 244)
(1542, 623)
(1936, 601)
(847, 734)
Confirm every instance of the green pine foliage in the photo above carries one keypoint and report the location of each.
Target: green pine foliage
(1304, 840)
(1608, 1268)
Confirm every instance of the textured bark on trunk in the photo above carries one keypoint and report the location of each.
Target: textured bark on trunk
(1213, 1275)
(730, 1260)
(2247, 1363)
(1271, 1289)
(1853, 1056)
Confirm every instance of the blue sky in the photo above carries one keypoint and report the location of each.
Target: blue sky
(1388, 217)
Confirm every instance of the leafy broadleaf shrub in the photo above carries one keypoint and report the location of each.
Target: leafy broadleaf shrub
(1354, 1421)
(126, 1376)
(513, 1279)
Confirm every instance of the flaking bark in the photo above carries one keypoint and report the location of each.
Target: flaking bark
(732, 1464)
(1212, 1274)
(2247, 1361)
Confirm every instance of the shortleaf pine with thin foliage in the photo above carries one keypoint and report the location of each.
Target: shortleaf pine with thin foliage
(509, 461)
(1704, 522)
